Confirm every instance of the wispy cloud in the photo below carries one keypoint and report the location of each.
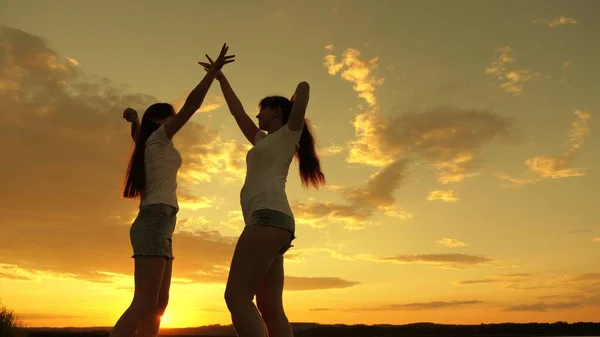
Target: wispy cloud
(455, 261)
(361, 202)
(356, 71)
(293, 283)
(516, 183)
(557, 21)
(451, 243)
(319, 214)
(206, 154)
(378, 190)
(190, 201)
(433, 305)
(443, 195)
(449, 139)
(566, 65)
(543, 306)
(211, 103)
(28, 316)
(557, 166)
(580, 230)
(513, 80)
(12, 272)
(568, 291)
(331, 150)
(334, 187)
(458, 261)
(506, 279)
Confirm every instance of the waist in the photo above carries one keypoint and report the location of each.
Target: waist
(161, 207)
(159, 198)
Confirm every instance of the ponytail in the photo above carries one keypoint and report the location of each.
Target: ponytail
(308, 159)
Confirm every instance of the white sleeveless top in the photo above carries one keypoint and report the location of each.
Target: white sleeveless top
(162, 161)
(267, 166)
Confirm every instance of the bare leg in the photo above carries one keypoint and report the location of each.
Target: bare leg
(148, 278)
(269, 300)
(254, 253)
(150, 325)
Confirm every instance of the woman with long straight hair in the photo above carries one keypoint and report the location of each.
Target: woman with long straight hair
(152, 176)
(257, 264)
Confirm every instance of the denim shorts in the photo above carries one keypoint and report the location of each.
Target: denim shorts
(269, 217)
(151, 233)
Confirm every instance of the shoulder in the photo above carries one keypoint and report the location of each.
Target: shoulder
(286, 137)
(291, 134)
(260, 135)
(159, 136)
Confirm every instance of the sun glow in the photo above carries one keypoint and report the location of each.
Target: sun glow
(165, 321)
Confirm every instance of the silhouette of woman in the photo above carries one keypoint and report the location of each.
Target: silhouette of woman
(257, 263)
(151, 175)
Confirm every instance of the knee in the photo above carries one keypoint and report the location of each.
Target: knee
(235, 297)
(270, 309)
(230, 298)
(144, 307)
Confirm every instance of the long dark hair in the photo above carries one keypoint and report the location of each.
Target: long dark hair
(308, 160)
(135, 180)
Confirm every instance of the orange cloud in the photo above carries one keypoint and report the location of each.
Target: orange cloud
(565, 67)
(451, 243)
(378, 190)
(508, 279)
(433, 305)
(206, 154)
(316, 283)
(443, 195)
(582, 289)
(543, 306)
(558, 166)
(331, 150)
(557, 21)
(361, 202)
(516, 183)
(319, 214)
(69, 139)
(367, 124)
(513, 79)
(188, 200)
(210, 103)
(448, 139)
(457, 261)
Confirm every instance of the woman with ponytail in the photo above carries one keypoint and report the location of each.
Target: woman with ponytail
(152, 177)
(257, 265)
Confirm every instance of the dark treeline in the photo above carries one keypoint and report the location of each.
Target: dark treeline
(318, 330)
(430, 329)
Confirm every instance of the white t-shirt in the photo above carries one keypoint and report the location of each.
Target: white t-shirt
(162, 162)
(267, 166)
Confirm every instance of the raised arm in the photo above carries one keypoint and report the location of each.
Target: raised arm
(196, 96)
(300, 98)
(131, 116)
(134, 128)
(246, 124)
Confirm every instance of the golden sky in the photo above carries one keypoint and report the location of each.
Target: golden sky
(456, 138)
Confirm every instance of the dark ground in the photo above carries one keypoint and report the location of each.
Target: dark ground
(317, 330)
